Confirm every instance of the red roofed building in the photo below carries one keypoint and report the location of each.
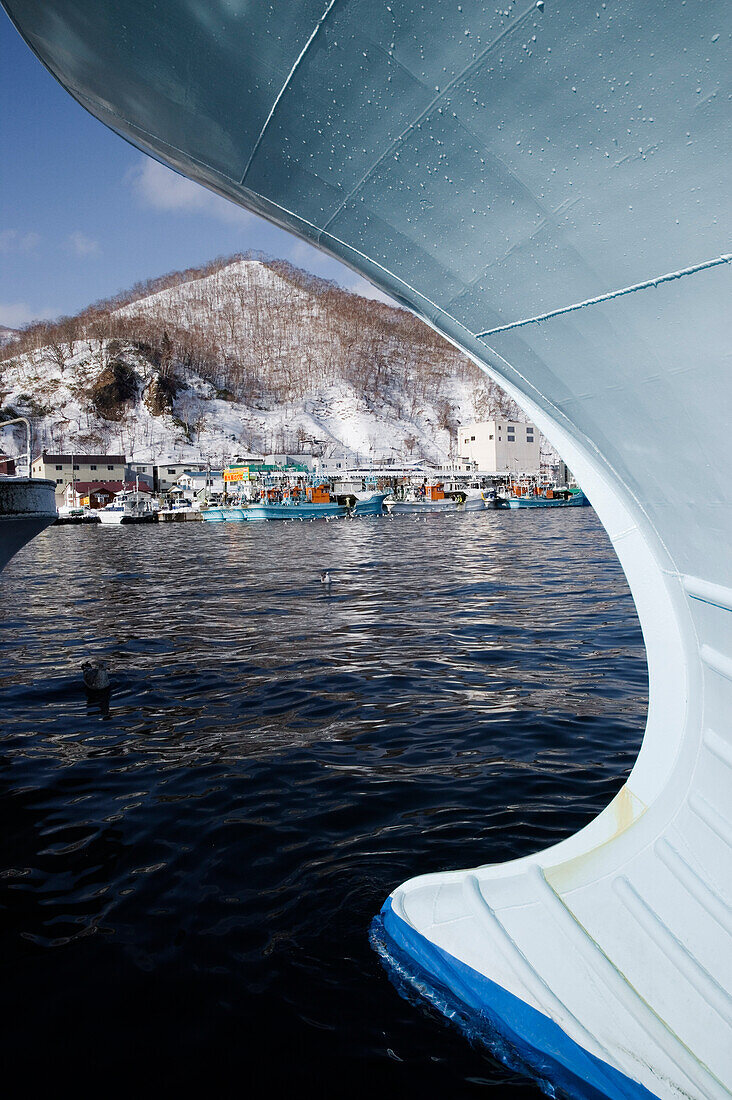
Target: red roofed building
(91, 494)
(97, 494)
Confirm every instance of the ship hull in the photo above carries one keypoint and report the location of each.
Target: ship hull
(475, 504)
(27, 507)
(420, 507)
(117, 518)
(372, 505)
(576, 500)
(547, 187)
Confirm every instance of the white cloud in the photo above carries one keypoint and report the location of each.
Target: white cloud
(162, 189)
(368, 290)
(11, 240)
(15, 314)
(83, 245)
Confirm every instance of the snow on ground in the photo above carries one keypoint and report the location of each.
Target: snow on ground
(203, 424)
(235, 308)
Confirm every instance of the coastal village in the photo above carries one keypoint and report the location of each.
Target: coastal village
(496, 457)
(248, 382)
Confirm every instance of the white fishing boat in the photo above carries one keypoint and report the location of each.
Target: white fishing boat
(547, 185)
(423, 499)
(69, 516)
(475, 500)
(128, 507)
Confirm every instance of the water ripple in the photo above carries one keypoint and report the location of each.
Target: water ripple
(190, 867)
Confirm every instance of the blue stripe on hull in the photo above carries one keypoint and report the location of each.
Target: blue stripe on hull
(521, 1037)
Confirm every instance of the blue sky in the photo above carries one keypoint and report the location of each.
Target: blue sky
(83, 214)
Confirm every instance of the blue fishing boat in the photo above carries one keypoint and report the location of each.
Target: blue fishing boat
(234, 513)
(571, 500)
(312, 502)
(213, 515)
(534, 493)
(368, 504)
(294, 510)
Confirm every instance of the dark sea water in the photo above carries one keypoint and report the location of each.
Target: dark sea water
(189, 874)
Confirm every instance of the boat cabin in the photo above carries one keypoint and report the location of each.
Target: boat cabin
(435, 492)
(546, 489)
(317, 494)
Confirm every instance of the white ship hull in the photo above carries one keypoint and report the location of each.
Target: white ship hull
(474, 503)
(547, 186)
(115, 517)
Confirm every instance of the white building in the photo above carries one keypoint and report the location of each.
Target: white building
(202, 483)
(163, 474)
(289, 460)
(248, 458)
(336, 463)
(500, 447)
(145, 471)
(167, 473)
(64, 469)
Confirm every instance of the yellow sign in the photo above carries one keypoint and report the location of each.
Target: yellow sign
(234, 475)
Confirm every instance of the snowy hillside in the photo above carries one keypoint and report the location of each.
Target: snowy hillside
(243, 355)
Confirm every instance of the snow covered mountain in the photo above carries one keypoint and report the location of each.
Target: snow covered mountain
(244, 354)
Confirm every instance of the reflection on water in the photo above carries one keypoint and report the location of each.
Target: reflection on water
(190, 868)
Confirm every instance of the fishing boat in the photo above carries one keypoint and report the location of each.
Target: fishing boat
(539, 495)
(128, 507)
(547, 186)
(475, 500)
(368, 503)
(69, 516)
(234, 513)
(310, 502)
(423, 499)
(213, 514)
